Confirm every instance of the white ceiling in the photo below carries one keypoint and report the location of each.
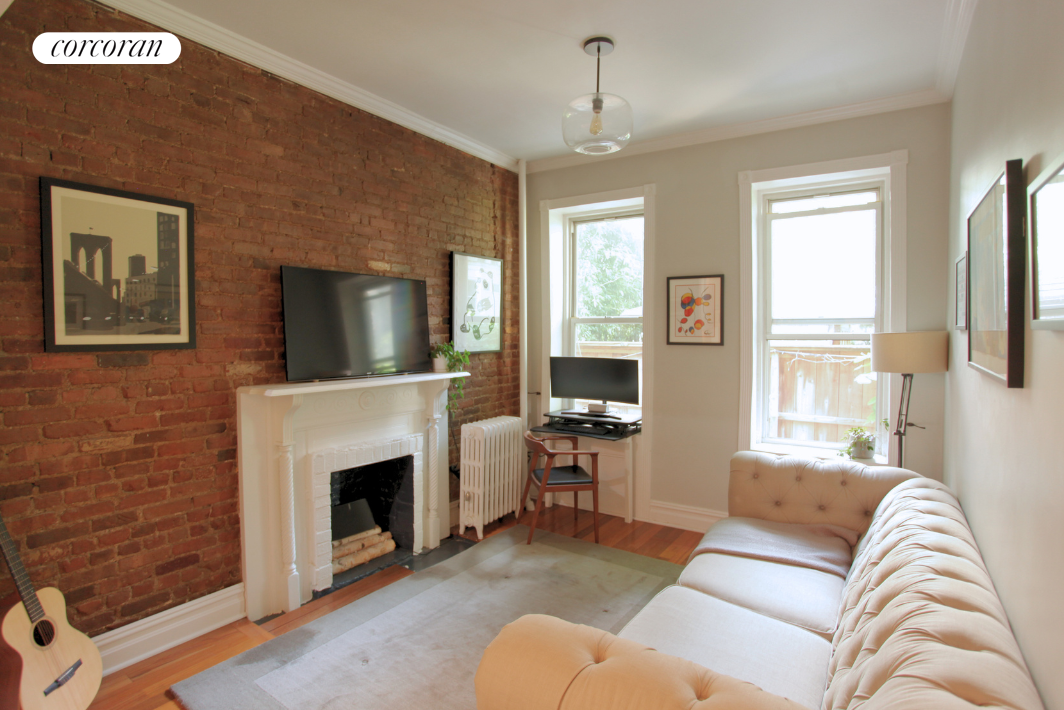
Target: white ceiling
(493, 76)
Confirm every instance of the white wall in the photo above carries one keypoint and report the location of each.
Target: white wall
(1004, 447)
(696, 388)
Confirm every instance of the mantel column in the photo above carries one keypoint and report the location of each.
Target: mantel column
(286, 479)
(437, 461)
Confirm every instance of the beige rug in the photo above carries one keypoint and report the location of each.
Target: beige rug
(417, 643)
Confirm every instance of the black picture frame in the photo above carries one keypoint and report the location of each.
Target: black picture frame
(996, 278)
(477, 298)
(124, 233)
(700, 321)
(1047, 246)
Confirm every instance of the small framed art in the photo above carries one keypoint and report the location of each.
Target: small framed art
(1047, 248)
(960, 304)
(476, 303)
(996, 271)
(696, 310)
(118, 269)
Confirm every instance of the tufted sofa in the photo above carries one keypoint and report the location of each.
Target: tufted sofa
(830, 585)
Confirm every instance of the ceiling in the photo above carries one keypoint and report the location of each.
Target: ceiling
(493, 76)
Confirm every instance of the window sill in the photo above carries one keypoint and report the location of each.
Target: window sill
(814, 453)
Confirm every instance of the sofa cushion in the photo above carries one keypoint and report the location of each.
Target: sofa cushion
(773, 655)
(788, 489)
(921, 624)
(827, 548)
(804, 597)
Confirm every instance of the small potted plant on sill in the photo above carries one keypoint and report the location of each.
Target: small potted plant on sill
(859, 443)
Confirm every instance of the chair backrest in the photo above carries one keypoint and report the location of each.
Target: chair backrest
(536, 445)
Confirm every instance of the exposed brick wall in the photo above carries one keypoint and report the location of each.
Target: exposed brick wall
(118, 474)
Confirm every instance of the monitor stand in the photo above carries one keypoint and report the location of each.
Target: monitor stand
(598, 407)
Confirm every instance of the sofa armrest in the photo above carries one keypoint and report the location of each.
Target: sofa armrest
(543, 663)
(790, 489)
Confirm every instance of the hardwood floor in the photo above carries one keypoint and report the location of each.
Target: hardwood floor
(146, 685)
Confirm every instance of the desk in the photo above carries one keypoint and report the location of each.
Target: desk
(622, 427)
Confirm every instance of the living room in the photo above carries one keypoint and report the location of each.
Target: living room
(120, 478)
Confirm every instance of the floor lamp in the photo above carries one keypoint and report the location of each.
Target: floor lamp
(907, 354)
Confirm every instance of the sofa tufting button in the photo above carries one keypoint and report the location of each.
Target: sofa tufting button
(757, 475)
(798, 478)
(820, 507)
(868, 513)
(843, 482)
(779, 503)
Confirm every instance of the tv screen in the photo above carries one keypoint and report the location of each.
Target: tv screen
(598, 378)
(339, 324)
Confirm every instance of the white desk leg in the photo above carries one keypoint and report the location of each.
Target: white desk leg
(629, 478)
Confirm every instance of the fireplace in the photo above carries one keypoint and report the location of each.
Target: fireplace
(290, 441)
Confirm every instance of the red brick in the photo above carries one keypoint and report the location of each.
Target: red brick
(279, 174)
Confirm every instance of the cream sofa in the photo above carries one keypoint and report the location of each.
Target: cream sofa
(775, 610)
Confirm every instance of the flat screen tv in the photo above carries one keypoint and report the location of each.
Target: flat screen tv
(597, 378)
(339, 324)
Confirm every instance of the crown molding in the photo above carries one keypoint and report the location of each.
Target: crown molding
(739, 130)
(239, 47)
(959, 15)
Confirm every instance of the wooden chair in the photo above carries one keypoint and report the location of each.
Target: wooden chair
(556, 479)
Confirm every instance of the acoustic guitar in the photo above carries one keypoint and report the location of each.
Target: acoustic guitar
(45, 664)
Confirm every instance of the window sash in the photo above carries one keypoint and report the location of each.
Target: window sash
(766, 334)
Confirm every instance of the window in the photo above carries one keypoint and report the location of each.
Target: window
(605, 316)
(821, 279)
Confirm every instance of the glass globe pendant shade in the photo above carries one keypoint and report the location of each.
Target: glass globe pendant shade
(596, 124)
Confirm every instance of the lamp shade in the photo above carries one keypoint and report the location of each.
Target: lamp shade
(596, 124)
(909, 353)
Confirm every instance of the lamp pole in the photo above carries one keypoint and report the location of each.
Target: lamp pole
(903, 417)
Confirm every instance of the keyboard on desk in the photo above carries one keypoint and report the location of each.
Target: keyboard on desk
(574, 428)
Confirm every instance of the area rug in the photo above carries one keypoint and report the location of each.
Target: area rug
(417, 642)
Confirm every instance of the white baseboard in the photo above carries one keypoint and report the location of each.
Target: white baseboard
(142, 639)
(685, 517)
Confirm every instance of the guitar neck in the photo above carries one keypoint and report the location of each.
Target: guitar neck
(19, 574)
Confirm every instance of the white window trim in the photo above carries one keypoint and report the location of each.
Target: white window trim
(555, 216)
(889, 166)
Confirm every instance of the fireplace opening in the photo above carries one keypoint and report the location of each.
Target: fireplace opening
(372, 510)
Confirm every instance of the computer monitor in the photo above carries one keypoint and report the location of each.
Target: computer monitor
(605, 379)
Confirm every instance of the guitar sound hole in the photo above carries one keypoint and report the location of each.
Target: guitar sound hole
(43, 633)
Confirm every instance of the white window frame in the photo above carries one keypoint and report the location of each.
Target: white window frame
(763, 386)
(887, 170)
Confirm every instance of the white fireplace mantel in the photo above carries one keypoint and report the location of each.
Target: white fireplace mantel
(280, 429)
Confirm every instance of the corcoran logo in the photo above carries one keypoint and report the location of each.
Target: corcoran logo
(106, 48)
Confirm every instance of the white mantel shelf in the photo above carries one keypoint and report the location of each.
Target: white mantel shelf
(355, 383)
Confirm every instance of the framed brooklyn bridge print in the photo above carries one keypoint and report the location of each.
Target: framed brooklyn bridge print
(118, 269)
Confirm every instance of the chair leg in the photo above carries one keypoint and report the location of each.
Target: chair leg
(535, 514)
(594, 498)
(524, 496)
(576, 505)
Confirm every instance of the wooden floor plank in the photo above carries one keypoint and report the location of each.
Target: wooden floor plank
(145, 685)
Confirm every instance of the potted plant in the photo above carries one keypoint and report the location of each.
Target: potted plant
(446, 359)
(859, 443)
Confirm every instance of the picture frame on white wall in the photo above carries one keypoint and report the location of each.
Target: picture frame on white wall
(1047, 247)
(960, 308)
(997, 267)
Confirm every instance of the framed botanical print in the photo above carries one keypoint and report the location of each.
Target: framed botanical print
(696, 310)
(996, 270)
(1047, 248)
(118, 269)
(476, 303)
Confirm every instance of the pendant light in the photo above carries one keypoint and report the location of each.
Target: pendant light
(598, 123)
